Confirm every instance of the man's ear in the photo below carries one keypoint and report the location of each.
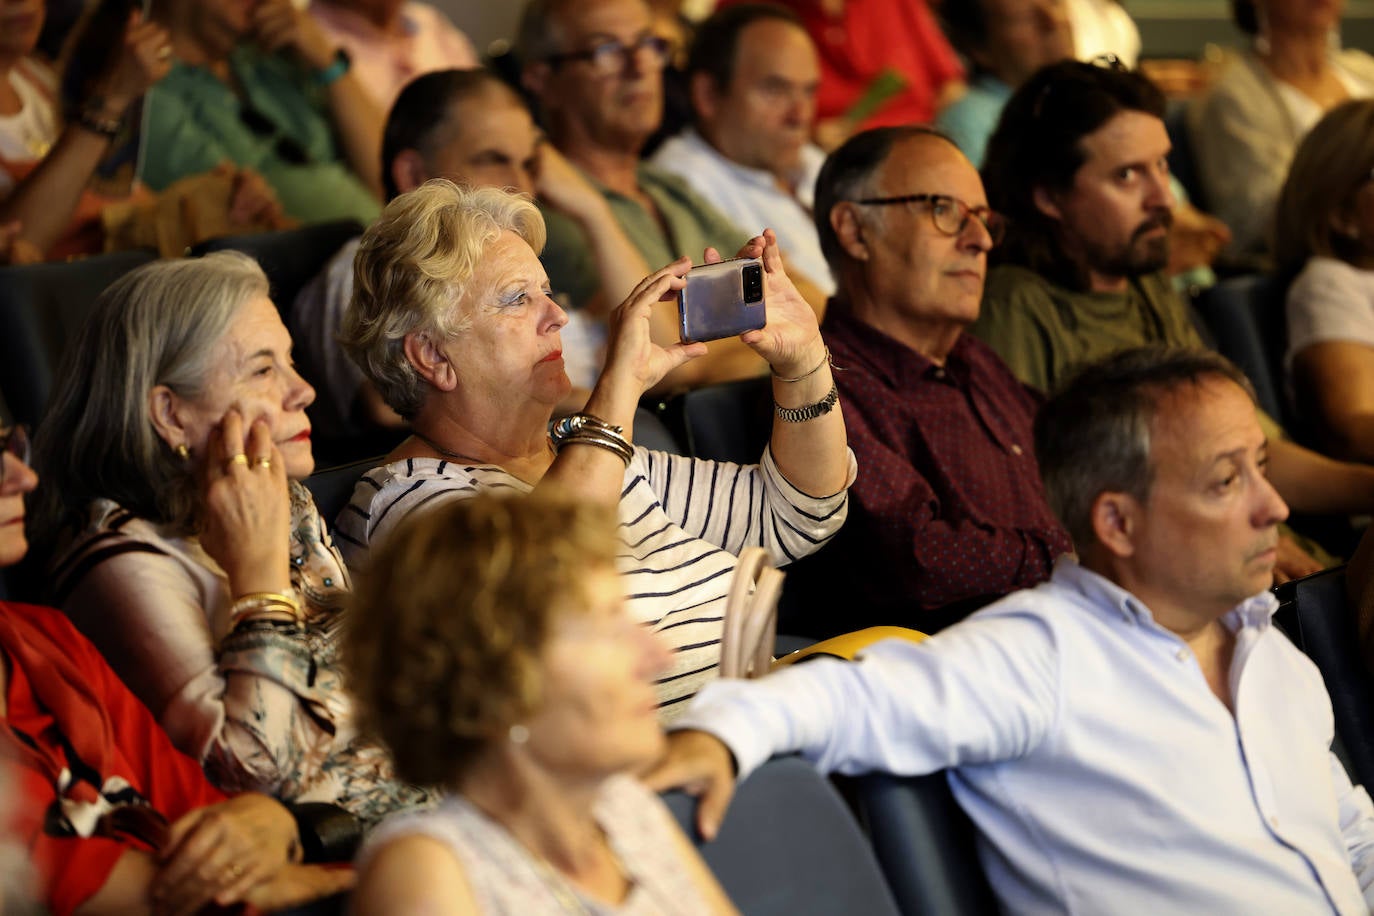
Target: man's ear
(1045, 202)
(430, 361)
(164, 406)
(1116, 522)
(535, 77)
(408, 170)
(705, 99)
(849, 230)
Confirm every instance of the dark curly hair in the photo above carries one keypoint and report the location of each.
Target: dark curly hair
(450, 616)
(1037, 145)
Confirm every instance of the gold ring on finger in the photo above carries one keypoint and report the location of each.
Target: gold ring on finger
(164, 52)
(240, 458)
(263, 462)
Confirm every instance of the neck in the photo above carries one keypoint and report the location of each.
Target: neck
(1107, 283)
(551, 817)
(1295, 56)
(517, 444)
(614, 168)
(932, 339)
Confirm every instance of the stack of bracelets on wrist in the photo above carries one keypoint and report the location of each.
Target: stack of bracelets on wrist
(809, 411)
(263, 605)
(585, 429)
(94, 119)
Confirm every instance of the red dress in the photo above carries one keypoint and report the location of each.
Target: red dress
(66, 710)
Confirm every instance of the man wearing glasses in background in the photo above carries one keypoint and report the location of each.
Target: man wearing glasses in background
(948, 512)
(595, 69)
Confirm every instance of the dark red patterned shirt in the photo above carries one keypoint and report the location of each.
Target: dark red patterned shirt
(948, 512)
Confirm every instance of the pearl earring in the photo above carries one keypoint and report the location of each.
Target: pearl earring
(519, 734)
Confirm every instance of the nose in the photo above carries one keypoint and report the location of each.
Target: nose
(554, 318)
(1270, 509)
(19, 477)
(974, 236)
(1161, 192)
(300, 394)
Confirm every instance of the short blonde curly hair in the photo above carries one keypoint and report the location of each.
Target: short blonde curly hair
(412, 269)
(450, 618)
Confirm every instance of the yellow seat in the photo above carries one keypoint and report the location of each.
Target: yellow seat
(847, 645)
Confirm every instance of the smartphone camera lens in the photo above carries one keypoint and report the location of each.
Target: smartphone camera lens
(752, 277)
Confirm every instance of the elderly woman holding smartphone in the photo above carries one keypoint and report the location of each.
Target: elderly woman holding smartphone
(193, 558)
(452, 321)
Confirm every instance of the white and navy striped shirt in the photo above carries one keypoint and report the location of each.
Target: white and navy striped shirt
(683, 522)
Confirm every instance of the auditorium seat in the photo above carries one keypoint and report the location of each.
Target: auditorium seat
(42, 306)
(1319, 619)
(790, 847)
(291, 257)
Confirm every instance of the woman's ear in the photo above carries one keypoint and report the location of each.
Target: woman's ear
(164, 406)
(1343, 224)
(430, 361)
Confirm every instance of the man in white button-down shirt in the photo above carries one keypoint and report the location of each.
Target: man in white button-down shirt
(1133, 735)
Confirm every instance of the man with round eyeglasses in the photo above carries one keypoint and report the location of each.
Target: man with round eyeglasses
(948, 512)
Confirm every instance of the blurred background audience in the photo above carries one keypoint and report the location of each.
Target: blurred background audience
(389, 42)
(1261, 104)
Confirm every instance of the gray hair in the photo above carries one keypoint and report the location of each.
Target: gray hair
(848, 174)
(1093, 435)
(412, 269)
(537, 37)
(156, 325)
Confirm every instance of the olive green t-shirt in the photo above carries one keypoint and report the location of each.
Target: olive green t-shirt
(692, 225)
(1042, 330)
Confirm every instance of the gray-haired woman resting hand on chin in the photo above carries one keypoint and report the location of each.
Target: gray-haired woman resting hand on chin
(452, 320)
(192, 556)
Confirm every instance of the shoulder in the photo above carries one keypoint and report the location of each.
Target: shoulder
(1358, 63)
(1321, 275)
(412, 872)
(667, 186)
(1012, 288)
(111, 531)
(25, 619)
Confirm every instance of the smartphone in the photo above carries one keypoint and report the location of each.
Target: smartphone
(721, 300)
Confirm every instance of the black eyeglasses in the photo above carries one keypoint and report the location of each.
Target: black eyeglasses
(949, 214)
(287, 149)
(612, 56)
(13, 441)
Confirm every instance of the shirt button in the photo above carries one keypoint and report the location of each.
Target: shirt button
(938, 373)
(1181, 655)
(1015, 449)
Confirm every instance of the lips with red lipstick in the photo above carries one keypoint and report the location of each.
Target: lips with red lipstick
(302, 436)
(552, 356)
